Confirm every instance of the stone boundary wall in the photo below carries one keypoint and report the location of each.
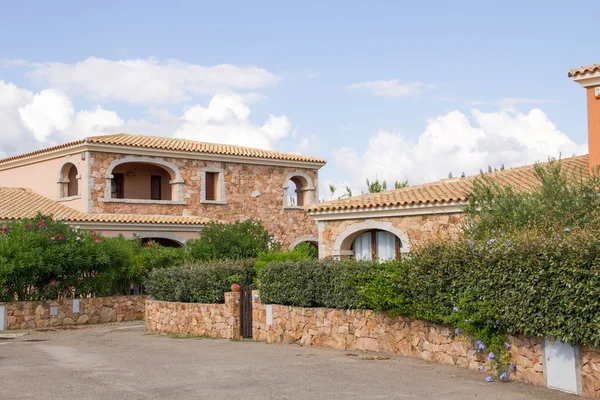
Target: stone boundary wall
(360, 330)
(367, 330)
(195, 319)
(94, 310)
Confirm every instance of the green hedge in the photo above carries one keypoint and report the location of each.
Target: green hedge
(199, 283)
(312, 283)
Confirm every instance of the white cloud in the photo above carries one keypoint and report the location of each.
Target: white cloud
(457, 143)
(146, 80)
(391, 88)
(227, 120)
(308, 144)
(29, 121)
(49, 111)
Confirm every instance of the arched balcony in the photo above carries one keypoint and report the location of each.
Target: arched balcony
(143, 180)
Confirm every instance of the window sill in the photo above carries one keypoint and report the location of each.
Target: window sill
(293, 208)
(218, 202)
(69, 198)
(144, 201)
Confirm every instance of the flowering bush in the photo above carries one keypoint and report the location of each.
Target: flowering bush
(45, 259)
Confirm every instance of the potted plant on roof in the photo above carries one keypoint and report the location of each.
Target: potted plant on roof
(235, 282)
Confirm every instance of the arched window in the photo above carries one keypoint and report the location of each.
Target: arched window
(68, 181)
(376, 245)
(299, 190)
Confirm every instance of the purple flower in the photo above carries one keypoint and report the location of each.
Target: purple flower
(504, 376)
(457, 331)
(480, 368)
(512, 366)
(471, 242)
(491, 241)
(502, 235)
(454, 308)
(497, 322)
(481, 347)
(489, 379)
(479, 342)
(507, 345)
(567, 230)
(491, 355)
(507, 242)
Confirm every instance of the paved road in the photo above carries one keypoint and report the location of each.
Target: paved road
(124, 362)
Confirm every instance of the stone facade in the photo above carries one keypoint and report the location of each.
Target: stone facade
(251, 191)
(38, 314)
(211, 320)
(415, 230)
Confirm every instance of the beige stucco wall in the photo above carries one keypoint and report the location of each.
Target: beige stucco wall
(251, 191)
(412, 230)
(42, 178)
(138, 182)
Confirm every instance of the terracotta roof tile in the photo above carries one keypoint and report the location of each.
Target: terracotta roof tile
(18, 203)
(583, 70)
(446, 190)
(161, 143)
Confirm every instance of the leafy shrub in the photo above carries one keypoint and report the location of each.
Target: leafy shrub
(301, 252)
(198, 283)
(312, 283)
(242, 239)
(45, 259)
(561, 198)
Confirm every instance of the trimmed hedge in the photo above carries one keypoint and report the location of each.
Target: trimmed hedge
(199, 283)
(312, 283)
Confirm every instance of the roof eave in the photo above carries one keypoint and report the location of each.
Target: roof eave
(391, 211)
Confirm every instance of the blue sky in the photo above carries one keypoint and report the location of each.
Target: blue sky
(394, 89)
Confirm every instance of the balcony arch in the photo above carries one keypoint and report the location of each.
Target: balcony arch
(345, 244)
(299, 190)
(143, 179)
(68, 181)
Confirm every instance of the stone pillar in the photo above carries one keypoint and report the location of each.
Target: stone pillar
(232, 305)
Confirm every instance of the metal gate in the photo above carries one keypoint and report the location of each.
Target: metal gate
(246, 312)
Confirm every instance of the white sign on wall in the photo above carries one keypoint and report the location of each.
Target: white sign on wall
(269, 309)
(76, 305)
(2, 319)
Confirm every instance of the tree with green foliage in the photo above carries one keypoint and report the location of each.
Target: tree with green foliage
(560, 199)
(400, 185)
(375, 186)
(242, 239)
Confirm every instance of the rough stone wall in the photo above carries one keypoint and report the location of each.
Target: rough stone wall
(367, 330)
(211, 320)
(419, 229)
(36, 314)
(251, 191)
(590, 371)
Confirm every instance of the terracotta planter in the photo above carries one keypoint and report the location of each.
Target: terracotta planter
(235, 287)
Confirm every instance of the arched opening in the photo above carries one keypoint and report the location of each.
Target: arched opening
(161, 241)
(69, 182)
(141, 181)
(311, 247)
(297, 193)
(376, 245)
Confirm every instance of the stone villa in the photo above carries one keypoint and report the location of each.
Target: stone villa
(161, 188)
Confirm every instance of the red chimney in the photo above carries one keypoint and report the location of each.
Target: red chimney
(589, 78)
